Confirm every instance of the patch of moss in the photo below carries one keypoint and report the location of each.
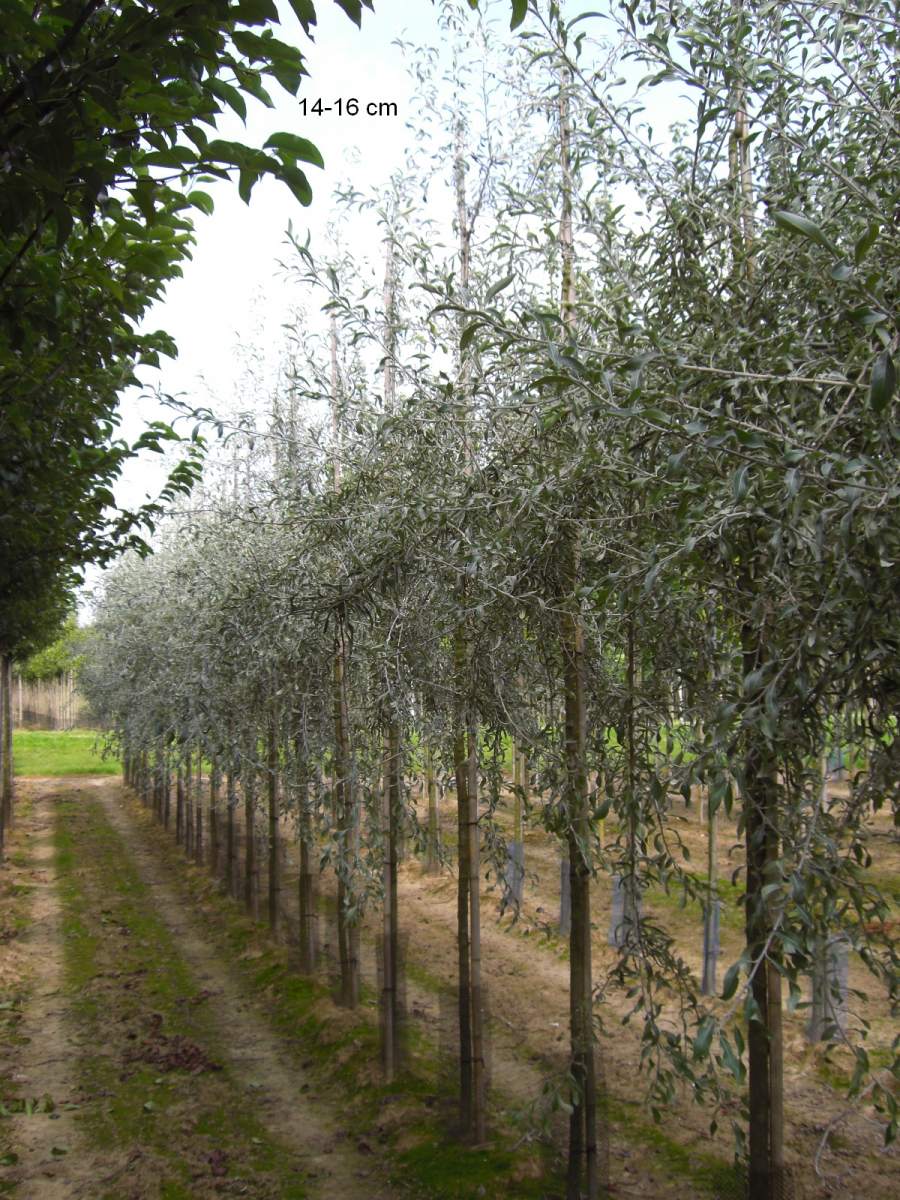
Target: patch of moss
(707, 1173)
(446, 1170)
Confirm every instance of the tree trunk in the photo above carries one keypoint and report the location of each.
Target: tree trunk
(462, 931)
(230, 805)
(188, 804)
(711, 915)
(167, 790)
(274, 862)
(583, 1160)
(764, 1035)
(249, 834)
(215, 782)
(432, 858)
(307, 896)
(348, 921)
(179, 803)
(390, 938)
(198, 810)
(479, 1079)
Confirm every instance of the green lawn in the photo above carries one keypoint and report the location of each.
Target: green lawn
(36, 752)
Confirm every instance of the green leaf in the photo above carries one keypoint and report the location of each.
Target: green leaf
(231, 96)
(305, 12)
(704, 1037)
(884, 381)
(867, 317)
(498, 287)
(246, 180)
(741, 482)
(519, 13)
(220, 151)
(731, 1059)
(797, 223)
(174, 156)
(256, 12)
(297, 147)
(865, 243)
(730, 982)
(467, 335)
(297, 182)
(203, 201)
(353, 9)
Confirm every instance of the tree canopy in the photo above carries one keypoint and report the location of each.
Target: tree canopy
(108, 116)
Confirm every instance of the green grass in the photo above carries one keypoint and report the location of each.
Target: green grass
(69, 752)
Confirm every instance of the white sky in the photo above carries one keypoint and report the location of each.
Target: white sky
(233, 290)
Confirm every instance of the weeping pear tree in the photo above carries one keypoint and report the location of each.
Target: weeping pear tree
(618, 481)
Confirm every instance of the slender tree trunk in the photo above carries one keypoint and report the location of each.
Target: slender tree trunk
(215, 783)
(345, 797)
(764, 1035)
(179, 803)
(711, 916)
(249, 789)
(471, 1039)
(198, 809)
(479, 1078)
(348, 920)
(167, 789)
(390, 929)
(189, 803)
(760, 799)
(516, 848)
(583, 1159)
(307, 897)
(433, 844)
(274, 861)
(230, 805)
(462, 929)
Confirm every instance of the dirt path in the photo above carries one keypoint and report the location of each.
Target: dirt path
(281, 1092)
(53, 1163)
(76, 1141)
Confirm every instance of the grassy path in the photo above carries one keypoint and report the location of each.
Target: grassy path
(46, 1159)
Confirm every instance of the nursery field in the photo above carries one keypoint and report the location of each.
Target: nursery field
(498, 785)
(159, 1042)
